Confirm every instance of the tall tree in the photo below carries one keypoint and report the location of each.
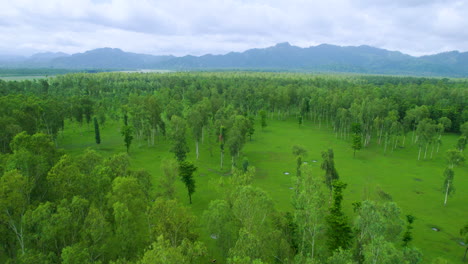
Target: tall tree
(14, 201)
(97, 133)
(338, 229)
(177, 134)
(328, 165)
(309, 204)
(263, 116)
(454, 158)
(222, 138)
(186, 170)
(127, 133)
(357, 137)
(448, 183)
(195, 121)
(170, 169)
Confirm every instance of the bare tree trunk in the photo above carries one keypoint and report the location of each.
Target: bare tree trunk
(222, 155)
(425, 151)
(446, 193)
(202, 134)
(196, 148)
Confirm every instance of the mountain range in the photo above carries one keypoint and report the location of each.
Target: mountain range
(281, 57)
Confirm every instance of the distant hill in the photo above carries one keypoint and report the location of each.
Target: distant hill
(281, 57)
(109, 58)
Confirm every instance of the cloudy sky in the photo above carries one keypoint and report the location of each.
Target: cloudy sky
(197, 27)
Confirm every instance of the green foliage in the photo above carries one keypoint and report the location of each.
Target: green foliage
(309, 204)
(170, 169)
(461, 143)
(299, 151)
(328, 165)
(170, 219)
(338, 229)
(356, 137)
(97, 133)
(464, 234)
(454, 158)
(408, 236)
(186, 170)
(127, 133)
(177, 133)
(161, 252)
(263, 116)
(92, 207)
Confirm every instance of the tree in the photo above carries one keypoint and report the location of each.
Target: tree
(195, 120)
(454, 158)
(251, 126)
(328, 165)
(309, 205)
(170, 219)
(128, 202)
(407, 236)
(161, 252)
(221, 224)
(186, 170)
(222, 136)
(341, 256)
(461, 143)
(177, 133)
(263, 117)
(127, 133)
(14, 200)
(299, 151)
(448, 183)
(357, 137)
(464, 234)
(97, 134)
(170, 169)
(338, 229)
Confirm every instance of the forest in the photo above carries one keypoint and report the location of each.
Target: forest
(233, 167)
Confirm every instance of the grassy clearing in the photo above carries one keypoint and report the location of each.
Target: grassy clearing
(414, 185)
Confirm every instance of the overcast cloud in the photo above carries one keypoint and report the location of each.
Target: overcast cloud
(181, 27)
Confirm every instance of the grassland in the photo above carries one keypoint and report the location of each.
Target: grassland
(414, 185)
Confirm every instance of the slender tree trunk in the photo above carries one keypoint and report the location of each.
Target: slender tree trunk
(446, 192)
(432, 149)
(404, 139)
(190, 198)
(196, 148)
(203, 133)
(222, 155)
(386, 141)
(313, 242)
(419, 153)
(425, 151)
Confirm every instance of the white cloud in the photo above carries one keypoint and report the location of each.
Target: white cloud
(182, 27)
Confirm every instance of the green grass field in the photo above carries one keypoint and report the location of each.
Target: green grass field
(414, 185)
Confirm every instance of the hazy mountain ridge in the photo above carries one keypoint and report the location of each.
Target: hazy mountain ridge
(283, 56)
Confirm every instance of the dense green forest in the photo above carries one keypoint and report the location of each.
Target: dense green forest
(60, 204)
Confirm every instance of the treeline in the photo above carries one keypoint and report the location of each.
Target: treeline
(385, 108)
